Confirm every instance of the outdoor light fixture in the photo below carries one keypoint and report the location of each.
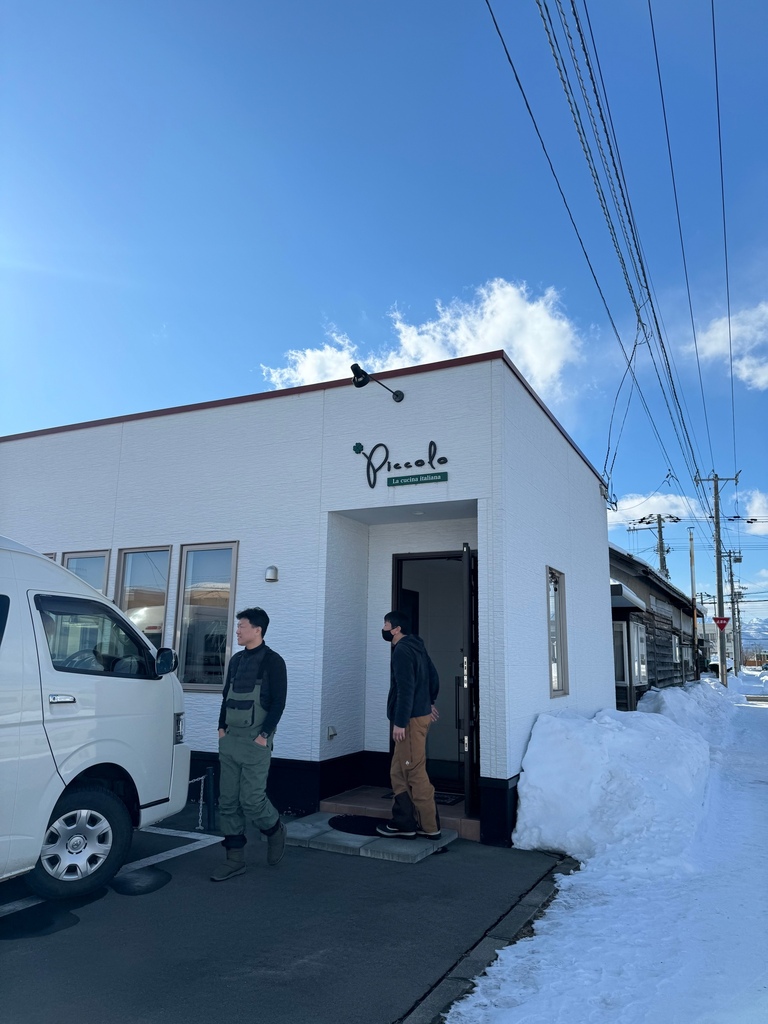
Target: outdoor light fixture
(360, 378)
(270, 574)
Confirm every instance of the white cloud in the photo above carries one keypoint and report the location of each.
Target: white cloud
(534, 332)
(749, 341)
(757, 507)
(632, 507)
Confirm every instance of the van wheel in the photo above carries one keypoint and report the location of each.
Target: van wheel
(85, 844)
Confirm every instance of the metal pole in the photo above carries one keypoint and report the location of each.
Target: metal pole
(720, 601)
(734, 624)
(662, 551)
(693, 608)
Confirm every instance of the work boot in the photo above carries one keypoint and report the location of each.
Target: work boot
(233, 865)
(276, 844)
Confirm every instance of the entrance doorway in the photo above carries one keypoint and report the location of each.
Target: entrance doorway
(438, 590)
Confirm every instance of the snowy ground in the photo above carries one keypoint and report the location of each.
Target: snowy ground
(667, 920)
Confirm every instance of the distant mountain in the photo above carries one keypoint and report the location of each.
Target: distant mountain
(753, 632)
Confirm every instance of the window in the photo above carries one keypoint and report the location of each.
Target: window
(87, 637)
(90, 566)
(205, 613)
(558, 654)
(143, 588)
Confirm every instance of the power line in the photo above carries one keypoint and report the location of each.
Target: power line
(680, 228)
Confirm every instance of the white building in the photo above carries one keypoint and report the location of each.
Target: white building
(465, 503)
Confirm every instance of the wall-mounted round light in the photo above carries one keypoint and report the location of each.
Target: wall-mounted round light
(270, 574)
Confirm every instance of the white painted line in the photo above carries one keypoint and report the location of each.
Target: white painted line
(199, 843)
(169, 854)
(159, 831)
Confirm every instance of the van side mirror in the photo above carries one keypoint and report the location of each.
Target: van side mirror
(166, 661)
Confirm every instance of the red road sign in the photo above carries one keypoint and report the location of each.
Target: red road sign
(720, 621)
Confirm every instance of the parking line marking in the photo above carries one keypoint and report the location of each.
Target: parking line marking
(200, 841)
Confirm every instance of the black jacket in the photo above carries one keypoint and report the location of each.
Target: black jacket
(414, 684)
(259, 665)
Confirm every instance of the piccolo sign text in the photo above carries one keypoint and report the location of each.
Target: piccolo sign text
(378, 458)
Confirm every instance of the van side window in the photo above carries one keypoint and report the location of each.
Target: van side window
(5, 604)
(86, 636)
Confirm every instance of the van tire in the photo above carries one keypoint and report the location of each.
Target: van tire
(86, 842)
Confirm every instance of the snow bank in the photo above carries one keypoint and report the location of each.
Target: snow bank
(626, 786)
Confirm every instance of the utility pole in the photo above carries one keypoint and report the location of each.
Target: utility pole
(715, 480)
(662, 552)
(693, 607)
(735, 612)
(647, 523)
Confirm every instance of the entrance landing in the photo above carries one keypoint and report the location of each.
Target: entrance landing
(376, 802)
(315, 832)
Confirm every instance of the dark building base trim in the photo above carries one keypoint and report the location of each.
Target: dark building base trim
(498, 810)
(299, 786)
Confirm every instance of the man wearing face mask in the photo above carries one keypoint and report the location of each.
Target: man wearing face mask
(413, 690)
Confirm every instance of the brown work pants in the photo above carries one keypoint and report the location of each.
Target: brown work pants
(408, 773)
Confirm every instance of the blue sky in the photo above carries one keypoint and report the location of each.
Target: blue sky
(204, 200)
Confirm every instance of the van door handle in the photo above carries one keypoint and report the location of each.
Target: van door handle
(61, 698)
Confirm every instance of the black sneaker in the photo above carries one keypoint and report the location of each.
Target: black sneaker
(429, 835)
(394, 832)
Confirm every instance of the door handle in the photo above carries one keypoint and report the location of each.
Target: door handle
(61, 698)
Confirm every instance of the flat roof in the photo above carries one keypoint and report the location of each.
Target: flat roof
(482, 357)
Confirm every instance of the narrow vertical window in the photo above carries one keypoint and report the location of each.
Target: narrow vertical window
(558, 655)
(143, 588)
(90, 566)
(205, 614)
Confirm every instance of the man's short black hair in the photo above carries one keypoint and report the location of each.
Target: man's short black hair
(400, 619)
(256, 617)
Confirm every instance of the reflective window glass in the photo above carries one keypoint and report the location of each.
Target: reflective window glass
(205, 614)
(558, 666)
(143, 590)
(90, 566)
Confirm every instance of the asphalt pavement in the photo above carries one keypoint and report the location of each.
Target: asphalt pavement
(322, 937)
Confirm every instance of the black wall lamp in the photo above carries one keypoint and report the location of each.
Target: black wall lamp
(360, 378)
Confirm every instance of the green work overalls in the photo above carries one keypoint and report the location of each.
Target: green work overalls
(244, 767)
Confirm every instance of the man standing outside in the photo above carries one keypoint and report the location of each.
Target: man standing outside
(413, 690)
(251, 706)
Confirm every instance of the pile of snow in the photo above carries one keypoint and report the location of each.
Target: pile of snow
(667, 808)
(627, 785)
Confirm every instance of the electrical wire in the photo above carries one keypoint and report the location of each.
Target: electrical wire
(680, 228)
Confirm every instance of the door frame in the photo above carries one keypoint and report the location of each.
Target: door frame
(466, 679)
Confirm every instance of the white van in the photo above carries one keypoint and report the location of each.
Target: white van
(91, 729)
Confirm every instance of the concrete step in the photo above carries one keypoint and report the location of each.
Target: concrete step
(314, 832)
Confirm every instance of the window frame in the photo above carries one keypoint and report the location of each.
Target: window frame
(120, 580)
(555, 578)
(234, 546)
(105, 553)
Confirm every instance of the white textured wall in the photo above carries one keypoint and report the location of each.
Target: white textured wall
(280, 477)
(344, 638)
(548, 512)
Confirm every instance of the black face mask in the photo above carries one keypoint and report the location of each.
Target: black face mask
(386, 634)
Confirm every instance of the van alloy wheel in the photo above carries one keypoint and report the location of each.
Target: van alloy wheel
(85, 845)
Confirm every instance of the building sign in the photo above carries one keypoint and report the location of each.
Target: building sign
(419, 478)
(379, 458)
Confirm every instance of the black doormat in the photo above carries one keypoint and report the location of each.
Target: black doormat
(355, 824)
